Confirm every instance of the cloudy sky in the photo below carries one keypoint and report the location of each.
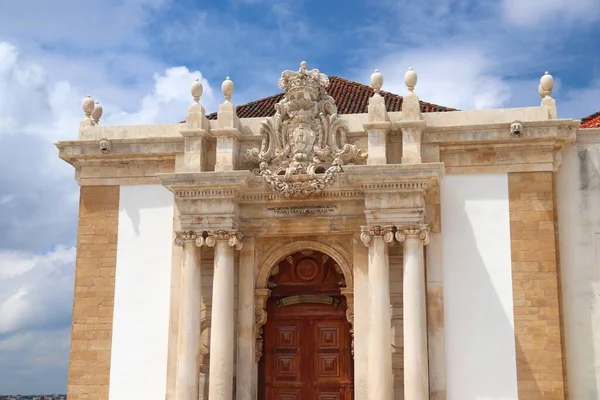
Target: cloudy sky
(138, 58)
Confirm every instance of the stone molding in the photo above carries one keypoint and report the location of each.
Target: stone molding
(209, 238)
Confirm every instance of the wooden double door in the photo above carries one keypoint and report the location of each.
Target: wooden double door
(307, 354)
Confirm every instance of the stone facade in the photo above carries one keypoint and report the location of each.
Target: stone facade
(89, 361)
(366, 191)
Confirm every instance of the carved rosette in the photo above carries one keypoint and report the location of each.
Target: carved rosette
(367, 233)
(260, 319)
(421, 232)
(304, 144)
(234, 239)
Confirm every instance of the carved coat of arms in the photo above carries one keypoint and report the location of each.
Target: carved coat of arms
(304, 144)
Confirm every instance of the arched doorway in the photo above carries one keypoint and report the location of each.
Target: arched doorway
(307, 337)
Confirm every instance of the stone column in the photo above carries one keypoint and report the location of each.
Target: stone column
(220, 384)
(380, 340)
(416, 371)
(245, 385)
(188, 338)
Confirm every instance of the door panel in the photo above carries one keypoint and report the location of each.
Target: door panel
(307, 341)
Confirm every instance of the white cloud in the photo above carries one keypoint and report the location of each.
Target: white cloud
(546, 13)
(580, 102)
(35, 289)
(39, 204)
(169, 100)
(452, 76)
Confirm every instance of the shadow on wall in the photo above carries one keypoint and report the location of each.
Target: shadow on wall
(579, 223)
(480, 340)
(141, 197)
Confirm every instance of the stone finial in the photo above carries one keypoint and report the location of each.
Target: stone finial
(88, 106)
(196, 90)
(97, 112)
(546, 85)
(376, 81)
(410, 79)
(227, 88)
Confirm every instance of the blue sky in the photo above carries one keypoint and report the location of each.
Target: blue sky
(138, 58)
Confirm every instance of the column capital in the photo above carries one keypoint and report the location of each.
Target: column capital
(419, 231)
(233, 238)
(182, 237)
(368, 232)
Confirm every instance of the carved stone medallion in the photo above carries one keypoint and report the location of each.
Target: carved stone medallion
(304, 144)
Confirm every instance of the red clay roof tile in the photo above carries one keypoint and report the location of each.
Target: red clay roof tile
(591, 121)
(350, 97)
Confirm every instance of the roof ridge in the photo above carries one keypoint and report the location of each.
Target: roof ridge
(351, 97)
(591, 121)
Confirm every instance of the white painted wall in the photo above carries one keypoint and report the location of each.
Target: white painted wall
(138, 366)
(578, 205)
(478, 298)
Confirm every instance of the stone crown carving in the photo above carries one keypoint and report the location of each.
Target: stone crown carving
(304, 144)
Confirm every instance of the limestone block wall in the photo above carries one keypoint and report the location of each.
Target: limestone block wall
(536, 287)
(578, 209)
(91, 332)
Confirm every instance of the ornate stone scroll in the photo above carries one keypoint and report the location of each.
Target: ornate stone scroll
(208, 238)
(260, 319)
(185, 236)
(304, 144)
(367, 233)
(233, 238)
(422, 232)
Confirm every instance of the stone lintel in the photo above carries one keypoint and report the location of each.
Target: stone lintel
(406, 216)
(210, 222)
(205, 184)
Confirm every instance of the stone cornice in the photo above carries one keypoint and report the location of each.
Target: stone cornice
(533, 131)
(121, 150)
(588, 136)
(395, 177)
(206, 185)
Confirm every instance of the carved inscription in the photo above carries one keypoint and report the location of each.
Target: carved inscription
(303, 210)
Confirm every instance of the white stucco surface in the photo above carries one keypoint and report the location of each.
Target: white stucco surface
(478, 300)
(138, 367)
(578, 204)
